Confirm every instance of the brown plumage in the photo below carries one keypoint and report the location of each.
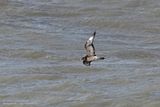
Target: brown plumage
(91, 56)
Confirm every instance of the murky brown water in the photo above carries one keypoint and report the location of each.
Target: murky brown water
(41, 44)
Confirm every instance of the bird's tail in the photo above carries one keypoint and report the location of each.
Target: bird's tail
(101, 58)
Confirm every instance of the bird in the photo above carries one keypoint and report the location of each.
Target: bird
(90, 50)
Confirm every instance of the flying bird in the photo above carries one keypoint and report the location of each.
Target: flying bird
(91, 56)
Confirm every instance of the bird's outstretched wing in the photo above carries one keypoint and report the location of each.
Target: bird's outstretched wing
(89, 45)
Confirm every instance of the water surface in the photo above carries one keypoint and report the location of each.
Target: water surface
(41, 44)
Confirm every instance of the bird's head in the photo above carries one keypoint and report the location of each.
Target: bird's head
(83, 58)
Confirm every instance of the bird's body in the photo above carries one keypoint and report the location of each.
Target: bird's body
(91, 56)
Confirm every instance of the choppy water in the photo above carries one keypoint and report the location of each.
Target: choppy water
(41, 44)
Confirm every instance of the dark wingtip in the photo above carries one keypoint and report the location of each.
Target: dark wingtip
(94, 33)
(86, 63)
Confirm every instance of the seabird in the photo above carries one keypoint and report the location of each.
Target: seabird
(91, 56)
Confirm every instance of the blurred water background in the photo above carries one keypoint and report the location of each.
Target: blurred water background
(41, 44)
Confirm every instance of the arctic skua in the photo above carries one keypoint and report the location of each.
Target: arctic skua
(90, 49)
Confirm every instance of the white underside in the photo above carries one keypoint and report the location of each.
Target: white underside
(91, 38)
